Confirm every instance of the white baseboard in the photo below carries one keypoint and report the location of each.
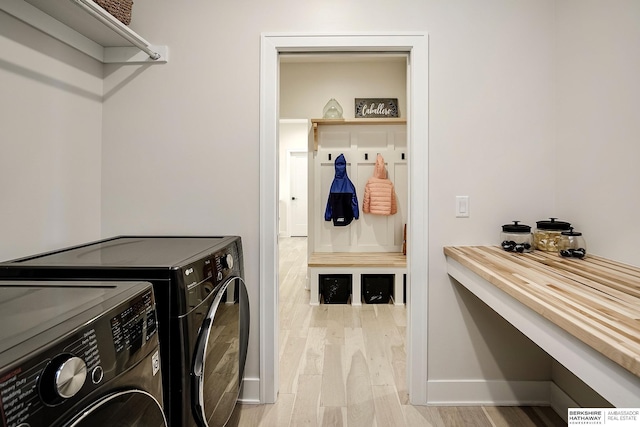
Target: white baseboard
(250, 393)
(499, 393)
(469, 393)
(561, 402)
(483, 392)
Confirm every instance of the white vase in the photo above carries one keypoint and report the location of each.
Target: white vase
(332, 110)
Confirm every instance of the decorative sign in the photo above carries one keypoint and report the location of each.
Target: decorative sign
(376, 107)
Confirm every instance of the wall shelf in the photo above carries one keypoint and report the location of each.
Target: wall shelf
(338, 122)
(110, 43)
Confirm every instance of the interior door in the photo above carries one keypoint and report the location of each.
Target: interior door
(299, 199)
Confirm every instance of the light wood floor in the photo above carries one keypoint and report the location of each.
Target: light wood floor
(342, 365)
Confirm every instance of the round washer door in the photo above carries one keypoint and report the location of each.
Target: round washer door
(122, 409)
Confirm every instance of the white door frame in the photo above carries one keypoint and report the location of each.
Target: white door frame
(416, 46)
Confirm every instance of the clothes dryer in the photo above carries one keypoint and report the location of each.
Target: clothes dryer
(79, 355)
(203, 310)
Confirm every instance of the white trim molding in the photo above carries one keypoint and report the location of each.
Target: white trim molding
(250, 391)
(500, 393)
(489, 392)
(415, 45)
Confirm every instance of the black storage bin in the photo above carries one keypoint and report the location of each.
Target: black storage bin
(335, 288)
(404, 288)
(376, 288)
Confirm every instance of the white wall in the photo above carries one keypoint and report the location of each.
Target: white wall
(598, 144)
(51, 125)
(181, 141)
(306, 87)
(598, 132)
(180, 148)
(491, 125)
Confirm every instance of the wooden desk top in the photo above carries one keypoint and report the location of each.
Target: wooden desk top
(594, 299)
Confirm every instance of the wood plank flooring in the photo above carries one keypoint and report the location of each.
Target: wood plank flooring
(343, 365)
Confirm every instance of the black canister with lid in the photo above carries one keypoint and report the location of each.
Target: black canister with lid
(516, 237)
(572, 244)
(548, 233)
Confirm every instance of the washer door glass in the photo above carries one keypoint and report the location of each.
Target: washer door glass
(122, 409)
(220, 355)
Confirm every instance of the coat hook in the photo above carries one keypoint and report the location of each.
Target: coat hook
(329, 156)
(402, 156)
(366, 156)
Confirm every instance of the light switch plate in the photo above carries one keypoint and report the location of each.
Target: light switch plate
(462, 206)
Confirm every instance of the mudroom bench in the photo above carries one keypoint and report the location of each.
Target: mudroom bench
(356, 264)
(584, 313)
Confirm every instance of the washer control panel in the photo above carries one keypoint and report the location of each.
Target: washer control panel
(134, 326)
(40, 387)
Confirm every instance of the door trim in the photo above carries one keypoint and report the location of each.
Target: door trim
(415, 44)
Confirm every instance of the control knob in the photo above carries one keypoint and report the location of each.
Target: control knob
(70, 376)
(227, 261)
(62, 378)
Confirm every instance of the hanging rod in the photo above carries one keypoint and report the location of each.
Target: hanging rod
(107, 19)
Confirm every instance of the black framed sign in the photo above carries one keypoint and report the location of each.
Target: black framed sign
(376, 107)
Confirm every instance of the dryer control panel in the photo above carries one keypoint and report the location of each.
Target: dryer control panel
(206, 275)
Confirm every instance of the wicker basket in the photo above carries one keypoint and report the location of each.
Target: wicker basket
(120, 9)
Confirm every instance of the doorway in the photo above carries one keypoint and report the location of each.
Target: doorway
(416, 46)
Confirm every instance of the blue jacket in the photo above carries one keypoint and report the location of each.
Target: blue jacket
(342, 206)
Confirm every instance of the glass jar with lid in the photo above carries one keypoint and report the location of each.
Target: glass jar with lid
(547, 234)
(516, 237)
(572, 244)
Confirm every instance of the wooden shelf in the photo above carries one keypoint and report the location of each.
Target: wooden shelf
(374, 121)
(338, 122)
(69, 23)
(358, 259)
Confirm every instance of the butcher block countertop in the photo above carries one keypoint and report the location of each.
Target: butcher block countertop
(594, 299)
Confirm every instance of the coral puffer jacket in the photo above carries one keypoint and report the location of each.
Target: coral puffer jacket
(379, 194)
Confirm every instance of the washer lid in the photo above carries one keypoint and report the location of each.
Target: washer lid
(130, 251)
(32, 309)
